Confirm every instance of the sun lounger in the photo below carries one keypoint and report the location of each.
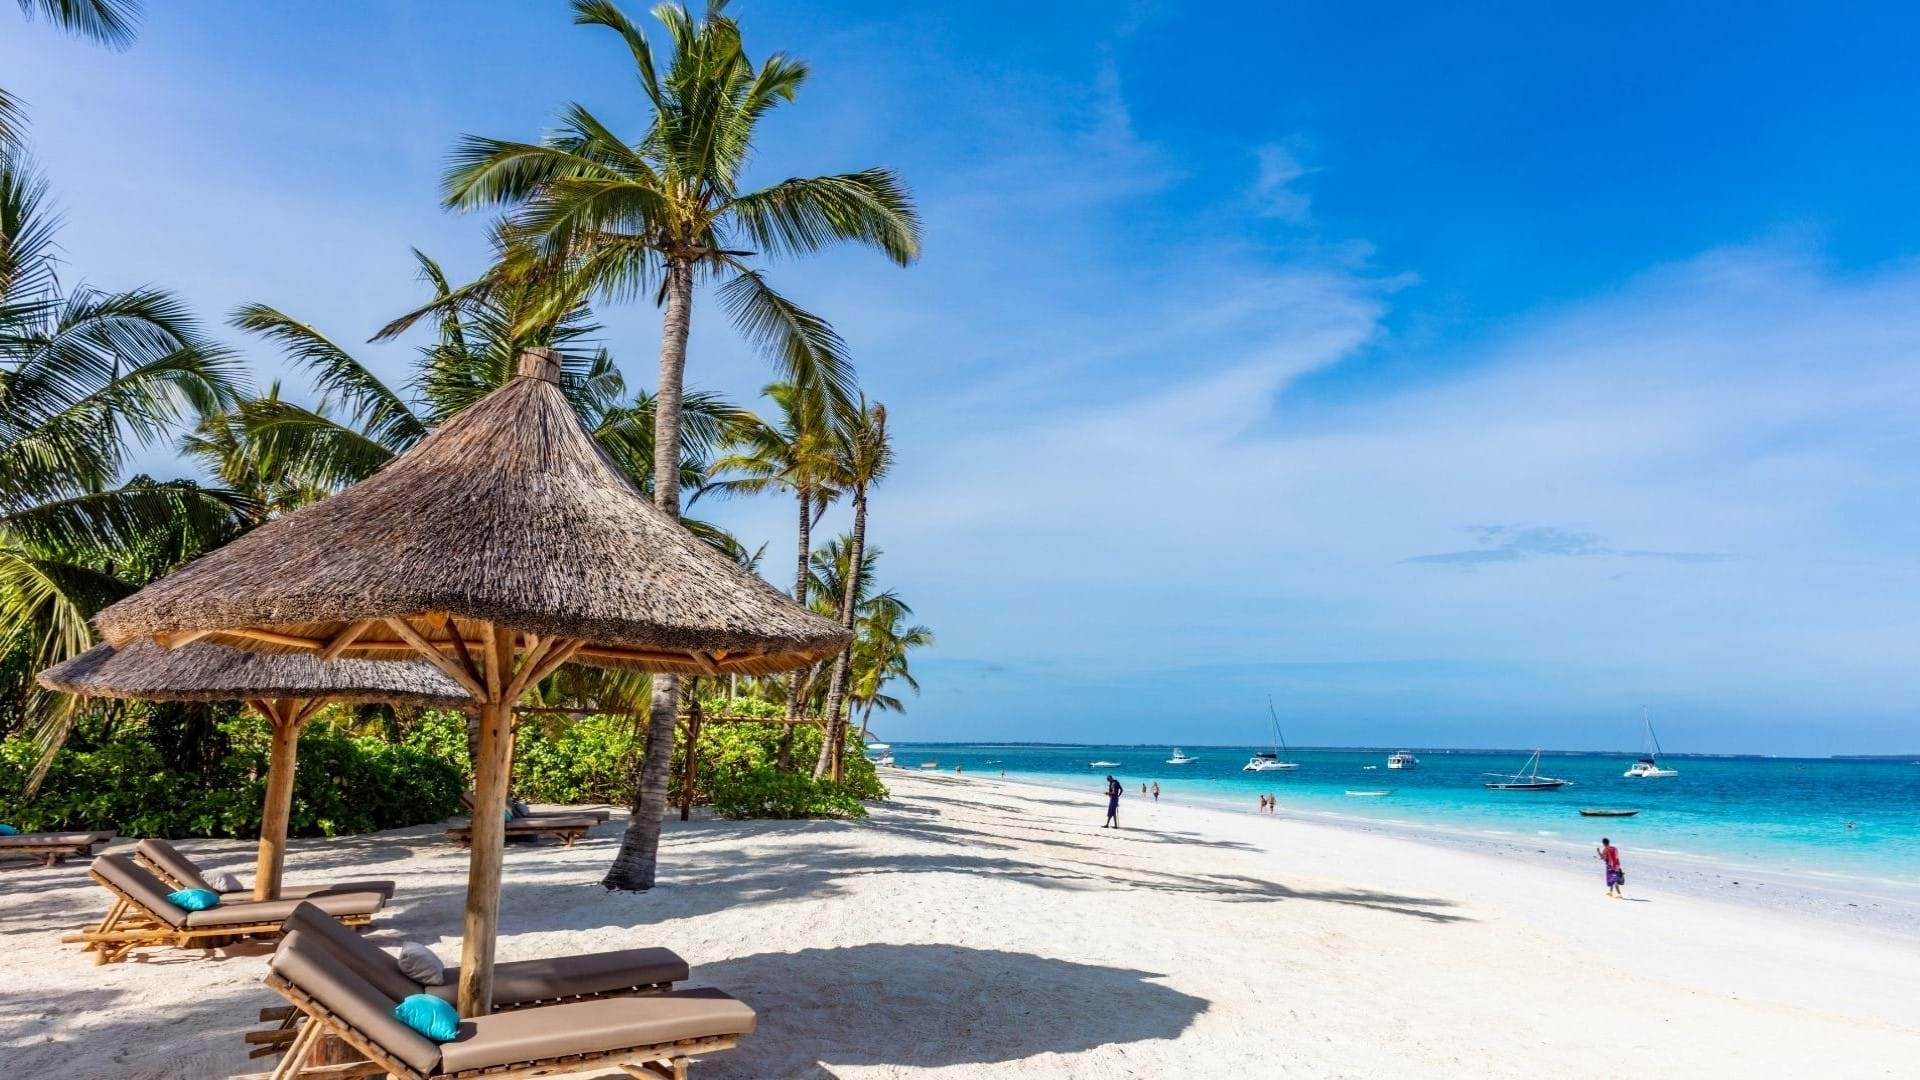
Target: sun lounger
(654, 1034)
(52, 848)
(142, 916)
(177, 870)
(598, 813)
(563, 828)
(517, 984)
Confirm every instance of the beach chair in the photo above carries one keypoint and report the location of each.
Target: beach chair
(599, 814)
(174, 868)
(141, 915)
(52, 848)
(517, 984)
(649, 1035)
(563, 828)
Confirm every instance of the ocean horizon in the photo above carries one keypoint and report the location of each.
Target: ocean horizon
(1850, 816)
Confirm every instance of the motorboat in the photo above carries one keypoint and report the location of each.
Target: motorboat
(1270, 760)
(1368, 794)
(1180, 758)
(1599, 812)
(1103, 764)
(880, 754)
(929, 764)
(1527, 779)
(1649, 767)
(1402, 759)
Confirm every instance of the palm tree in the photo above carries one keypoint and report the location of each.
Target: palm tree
(106, 22)
(655, 217)
(796, 456)
(880, 656)
(84, 374)
(865, 456)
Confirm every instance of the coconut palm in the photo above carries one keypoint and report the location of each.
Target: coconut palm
(106, 22)
(880, 656)
(865, 456)
(86, 375)
(796, 455)
(661, 214)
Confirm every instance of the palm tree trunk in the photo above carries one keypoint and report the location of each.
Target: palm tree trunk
(784, 760)
(633, 867)
(830, 747)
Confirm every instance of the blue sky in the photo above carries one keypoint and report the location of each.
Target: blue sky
(1465, 376)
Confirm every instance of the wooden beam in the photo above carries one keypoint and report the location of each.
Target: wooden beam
(706, 662)
(281, 763)
(347, 636)
(425, 648)
(274, 637)
(496, 666)
(306, 711)
(486, 837)
(530, 675)
(529, 660)
(460, 646)
(172, 641)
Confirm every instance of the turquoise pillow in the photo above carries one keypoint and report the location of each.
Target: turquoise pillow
(8, 830)
(194, 899)
(430, 1016)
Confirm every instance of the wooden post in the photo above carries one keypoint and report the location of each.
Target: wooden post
(284, 717)
(693, 759)
(488, 831)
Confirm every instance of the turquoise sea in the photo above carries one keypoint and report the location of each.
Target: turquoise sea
(1781, 813)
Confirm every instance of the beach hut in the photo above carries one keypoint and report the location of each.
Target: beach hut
(499, 547)
(286, 689)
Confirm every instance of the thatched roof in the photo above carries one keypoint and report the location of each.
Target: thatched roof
(508, 513)
(144, 671)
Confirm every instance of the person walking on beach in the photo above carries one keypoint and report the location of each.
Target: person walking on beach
(1616, 877)
(1156, 791)
(1113, 803)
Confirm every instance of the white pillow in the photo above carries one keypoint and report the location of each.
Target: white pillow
(418, 963)
(226, 883)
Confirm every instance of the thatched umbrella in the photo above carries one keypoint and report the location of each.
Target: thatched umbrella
(288, 690)
(499, 547)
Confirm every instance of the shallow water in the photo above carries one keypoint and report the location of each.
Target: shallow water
(1789, 813)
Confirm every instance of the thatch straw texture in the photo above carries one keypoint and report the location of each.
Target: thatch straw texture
(144, 671)
(509, 513)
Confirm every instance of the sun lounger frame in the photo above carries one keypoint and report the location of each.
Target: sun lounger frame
(55, 852)
(566, 833)
(669, 1059)
(129, 925)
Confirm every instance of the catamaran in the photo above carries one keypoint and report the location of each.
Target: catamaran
(1527, 779)
(1649, 767)
(1271, 760)
(1180, 758)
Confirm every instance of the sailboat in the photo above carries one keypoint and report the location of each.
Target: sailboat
(1271, 761)
(1527, 779)
(1649, 767)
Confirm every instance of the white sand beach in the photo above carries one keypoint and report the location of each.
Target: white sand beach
(975, 928)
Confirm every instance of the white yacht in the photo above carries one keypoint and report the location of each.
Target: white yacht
(1649, 767)
(1271, 760)
(1180, 758)
(880, 754)
(1402, 759)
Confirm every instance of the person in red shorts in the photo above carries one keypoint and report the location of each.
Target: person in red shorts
(1616, 877)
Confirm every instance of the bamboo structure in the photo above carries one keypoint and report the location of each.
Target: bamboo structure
(499, 547)
(287, 691)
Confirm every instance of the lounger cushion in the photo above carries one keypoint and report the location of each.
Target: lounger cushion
(247, 911)
(539, 823)
(321, 975)
(195, 899)
(518, 981)
(428, 1015)
(304, 892)
(362, 956)
(592, 1027)
(173, 864)
(145, 889)
(54, 839)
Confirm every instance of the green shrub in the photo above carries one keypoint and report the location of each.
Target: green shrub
(766, 792)
(589, 760)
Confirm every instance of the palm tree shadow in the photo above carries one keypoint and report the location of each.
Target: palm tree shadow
(926, 1006)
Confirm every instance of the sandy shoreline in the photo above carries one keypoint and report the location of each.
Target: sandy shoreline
(1846, 900)
(975, 928)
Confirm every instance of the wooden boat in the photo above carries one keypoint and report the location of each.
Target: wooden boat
(1585, 812)
(1528, 778)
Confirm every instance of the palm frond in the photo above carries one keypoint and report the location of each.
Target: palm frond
(113, 23)
(809, 353)
(337, 376)
(803, 215)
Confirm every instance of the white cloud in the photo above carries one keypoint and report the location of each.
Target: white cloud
(1273, 191)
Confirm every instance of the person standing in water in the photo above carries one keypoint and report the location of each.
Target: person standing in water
(1113, 803)
(1616, 877)
(1156, 791)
